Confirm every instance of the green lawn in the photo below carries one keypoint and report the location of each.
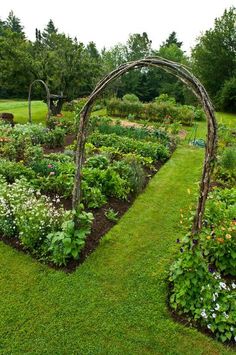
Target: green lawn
(116, 302)
(20, 110)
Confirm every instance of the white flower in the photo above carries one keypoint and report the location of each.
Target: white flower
(235, 338)
(233, 285)
(222, 285)
(203, 313)
(214, 297)
(213, 315)
(217, 307)
(209, 326)
(225, 315)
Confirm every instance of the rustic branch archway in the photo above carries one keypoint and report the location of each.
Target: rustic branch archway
(48, 98)
(195, 86)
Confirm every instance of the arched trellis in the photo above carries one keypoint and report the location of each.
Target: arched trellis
(48, 98)
(195, 86)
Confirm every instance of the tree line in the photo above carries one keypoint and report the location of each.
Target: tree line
(69, 66)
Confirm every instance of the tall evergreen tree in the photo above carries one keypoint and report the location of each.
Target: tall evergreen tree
(14, 24)
(172, 39)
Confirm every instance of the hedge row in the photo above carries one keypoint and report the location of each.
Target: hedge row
(160, 111)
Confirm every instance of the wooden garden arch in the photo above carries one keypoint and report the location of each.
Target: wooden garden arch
(48, 98)
(182, 73)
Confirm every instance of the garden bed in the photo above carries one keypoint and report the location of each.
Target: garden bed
(100, 226)
(37, 175)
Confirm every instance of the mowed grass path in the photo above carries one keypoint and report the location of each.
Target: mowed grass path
(116, 302)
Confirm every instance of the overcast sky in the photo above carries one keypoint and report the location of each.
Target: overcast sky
(109, 22)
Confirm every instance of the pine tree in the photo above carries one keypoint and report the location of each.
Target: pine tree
(14, 24)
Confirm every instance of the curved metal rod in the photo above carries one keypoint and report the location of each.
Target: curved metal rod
(182, 73)
(48, 98)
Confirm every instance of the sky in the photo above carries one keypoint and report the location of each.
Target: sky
(110, 22)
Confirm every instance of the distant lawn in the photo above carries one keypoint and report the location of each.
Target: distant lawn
(20, 110)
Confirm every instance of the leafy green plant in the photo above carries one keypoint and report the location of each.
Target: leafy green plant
(92, 197)
(97, 161)
(131, 171)
(68, 243)
(111, 215)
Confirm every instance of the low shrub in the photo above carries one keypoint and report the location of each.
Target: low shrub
(228, 159)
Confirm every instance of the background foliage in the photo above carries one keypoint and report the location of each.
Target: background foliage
(69, 66)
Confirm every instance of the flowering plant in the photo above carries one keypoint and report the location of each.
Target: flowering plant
(198, 288)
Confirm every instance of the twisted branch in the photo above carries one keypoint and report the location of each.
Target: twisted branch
(182, 73)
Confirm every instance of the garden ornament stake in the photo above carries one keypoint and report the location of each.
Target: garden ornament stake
(48, 98)
(195, 86)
